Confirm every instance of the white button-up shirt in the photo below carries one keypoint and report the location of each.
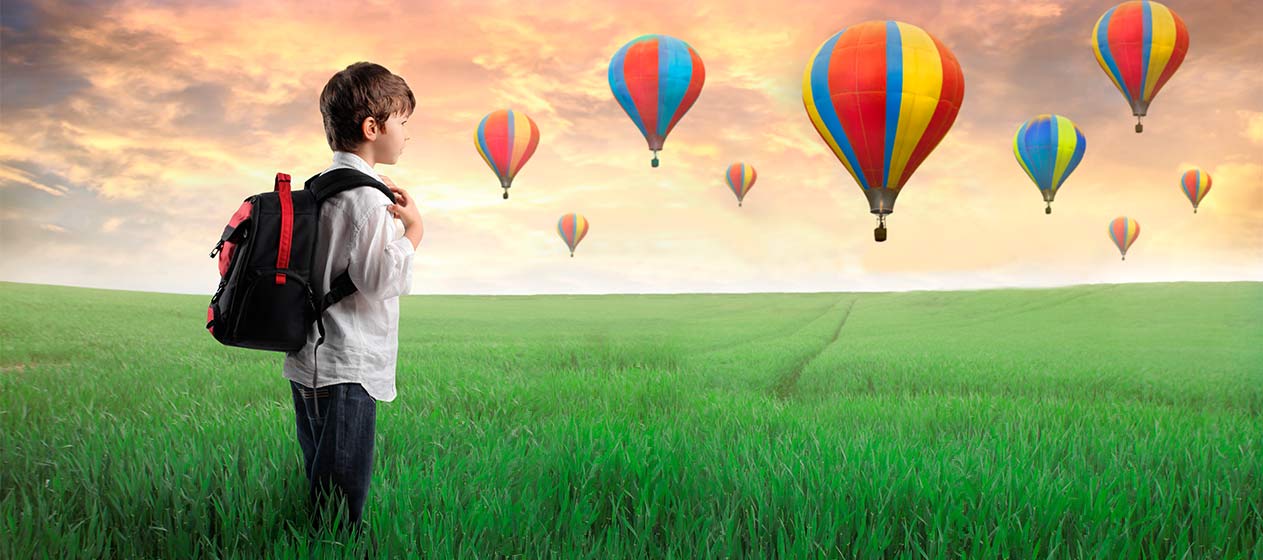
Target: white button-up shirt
(361, 344)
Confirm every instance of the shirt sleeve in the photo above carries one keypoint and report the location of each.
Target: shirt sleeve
(380, 265)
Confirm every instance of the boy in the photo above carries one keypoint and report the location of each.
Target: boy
(365, 108)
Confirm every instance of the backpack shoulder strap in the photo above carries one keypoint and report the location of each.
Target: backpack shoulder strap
(333, 182)
(324, 186)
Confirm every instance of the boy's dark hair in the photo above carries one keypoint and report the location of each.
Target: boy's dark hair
(360, 91)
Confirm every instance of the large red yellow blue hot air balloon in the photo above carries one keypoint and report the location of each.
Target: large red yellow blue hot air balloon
(1124, 231)
(572, 227)
(1140, 44)
(882, 94)
(741, 178)
(506, 139)
(656, 79)
(1195, 183)
(1049, 147)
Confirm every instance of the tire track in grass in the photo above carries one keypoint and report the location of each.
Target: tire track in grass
(786, 383)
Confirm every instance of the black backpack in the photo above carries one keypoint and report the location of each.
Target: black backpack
(265, 298)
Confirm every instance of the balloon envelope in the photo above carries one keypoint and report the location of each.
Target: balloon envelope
(572, 227)
(1140, 44)
(506, 139)
(1049, 148)
(741, 178)
(882, 94)
(656, 79)
(1124, 231)
(1195, 183)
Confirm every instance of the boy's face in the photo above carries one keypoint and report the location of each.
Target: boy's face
(390, 140)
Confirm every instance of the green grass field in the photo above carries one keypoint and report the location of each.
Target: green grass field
(1110, 421)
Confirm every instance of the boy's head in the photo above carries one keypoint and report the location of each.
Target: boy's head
(365, 103)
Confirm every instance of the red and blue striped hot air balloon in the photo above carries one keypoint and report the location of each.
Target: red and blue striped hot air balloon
(1195, 183)
(882, 94)
(572, 227)
(656, 79)
(1140, 44)
(506, 139)
(1124, 231)
(741, 179)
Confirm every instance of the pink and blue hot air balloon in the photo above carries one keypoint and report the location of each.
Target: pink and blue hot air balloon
(506, 139)
(656, 79)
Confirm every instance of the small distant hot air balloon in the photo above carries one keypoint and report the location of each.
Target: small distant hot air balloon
(1124, 231)
(882, 94)
(506, 139)
(572, 227)
(1195, 183)
(1140, 44)
(741, 179)
(656, 79)
(1049, 147)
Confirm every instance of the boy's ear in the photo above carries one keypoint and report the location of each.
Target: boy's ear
(369, 128)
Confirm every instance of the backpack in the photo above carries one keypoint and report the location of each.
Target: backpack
(265, 299)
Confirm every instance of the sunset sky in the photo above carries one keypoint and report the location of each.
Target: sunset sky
(131, 131)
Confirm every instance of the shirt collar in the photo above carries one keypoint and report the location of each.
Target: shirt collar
(348, 159)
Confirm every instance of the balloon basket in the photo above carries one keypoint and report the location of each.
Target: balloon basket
(879, 234)
(1048, 209)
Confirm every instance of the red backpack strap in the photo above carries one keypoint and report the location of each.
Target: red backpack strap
(287, 225)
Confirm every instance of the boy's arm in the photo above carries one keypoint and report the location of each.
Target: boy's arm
(380, 265)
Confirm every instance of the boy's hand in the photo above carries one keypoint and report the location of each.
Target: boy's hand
(405, 208)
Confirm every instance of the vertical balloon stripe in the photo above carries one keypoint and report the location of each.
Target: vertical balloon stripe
(1067, 141)
(1161, 45)
(1146, 46)
(818, 100)
(1126, 40)
(1178, 50)
(1020, 151)
(525, 140)
(1040, 144)
(498, 141)
(1105, 56)
(859, 95)
(951, 93)
(696, 79)
(675, 70)
(750, 177)
(480, 142)
(618, 84)
(894, 100)
(509, 137)
(922, 90)
(640, 68)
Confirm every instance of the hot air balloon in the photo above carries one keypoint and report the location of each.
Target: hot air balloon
(1049, 147)
(882, 94)
(572, 227)
(741, 178)
(1124, 231)
(1140, 44)
(656, 79)
(506, 139)
(1195, 183)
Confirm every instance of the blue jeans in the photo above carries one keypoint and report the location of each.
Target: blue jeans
(337, 447)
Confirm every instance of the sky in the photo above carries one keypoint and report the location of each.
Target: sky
(131, 131)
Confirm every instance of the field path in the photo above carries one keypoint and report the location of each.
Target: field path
(785, 384)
